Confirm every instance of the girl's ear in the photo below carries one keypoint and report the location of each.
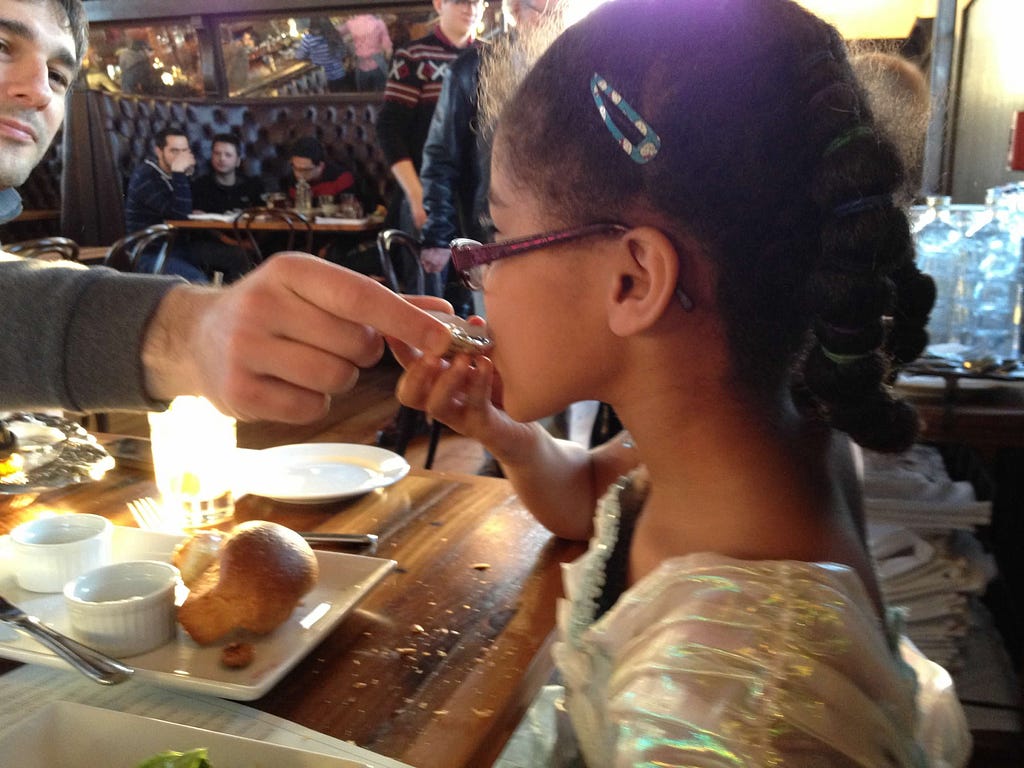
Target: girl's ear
(645, 282)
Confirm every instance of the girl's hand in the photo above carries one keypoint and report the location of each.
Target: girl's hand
(459, 392)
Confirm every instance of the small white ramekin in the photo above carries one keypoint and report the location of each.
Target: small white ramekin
(126, 608)
(50, 551)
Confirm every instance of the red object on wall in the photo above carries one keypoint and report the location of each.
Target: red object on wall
(1015, 160)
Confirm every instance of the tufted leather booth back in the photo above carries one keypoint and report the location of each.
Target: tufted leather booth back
(119, 135)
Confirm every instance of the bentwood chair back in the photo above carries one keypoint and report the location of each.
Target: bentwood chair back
(401, 248)
(299, 228)
(400, 256)
(45, 248)
(126, 254)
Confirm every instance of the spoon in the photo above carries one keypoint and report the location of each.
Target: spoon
(98, 666)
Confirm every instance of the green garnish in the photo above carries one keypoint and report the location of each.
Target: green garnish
(194, 758)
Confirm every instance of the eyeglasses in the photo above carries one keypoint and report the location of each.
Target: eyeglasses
(471, 258)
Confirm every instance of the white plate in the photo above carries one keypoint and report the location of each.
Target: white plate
(68, 735)
(310, 473)
(183, 664)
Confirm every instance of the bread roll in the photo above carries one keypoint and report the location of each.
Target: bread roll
(194, 556)
(262, 572)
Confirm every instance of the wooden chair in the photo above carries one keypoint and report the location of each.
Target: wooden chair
(389, 242)
(299, 228)
(45, 248)
(125, 255)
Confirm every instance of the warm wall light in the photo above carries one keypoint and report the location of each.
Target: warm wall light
(871, 19)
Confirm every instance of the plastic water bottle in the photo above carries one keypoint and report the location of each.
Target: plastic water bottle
(995, 296)
(303, 196)
(938, 246)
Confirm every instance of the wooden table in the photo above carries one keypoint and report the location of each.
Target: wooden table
(438, 664)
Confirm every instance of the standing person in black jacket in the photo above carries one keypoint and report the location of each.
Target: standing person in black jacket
(456, 158)
(414, 84)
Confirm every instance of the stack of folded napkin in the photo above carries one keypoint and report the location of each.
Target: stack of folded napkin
(921, 535)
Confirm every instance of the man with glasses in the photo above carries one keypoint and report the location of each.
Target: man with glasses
(308, 161)
(414, 84)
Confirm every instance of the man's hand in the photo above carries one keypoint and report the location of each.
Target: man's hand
(278, 343)
(435, 259)
(183, 163)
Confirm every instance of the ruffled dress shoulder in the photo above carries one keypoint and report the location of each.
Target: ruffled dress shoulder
(710, 661)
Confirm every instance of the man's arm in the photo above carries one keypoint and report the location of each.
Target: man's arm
(72, 335)
(394, 129)
(275, 345)
(278, 343)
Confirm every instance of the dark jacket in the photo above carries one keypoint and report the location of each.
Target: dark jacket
(154, 196)
(213, 197)
(456, 161)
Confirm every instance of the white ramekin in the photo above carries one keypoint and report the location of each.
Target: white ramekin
(126, 608)
(50, 551)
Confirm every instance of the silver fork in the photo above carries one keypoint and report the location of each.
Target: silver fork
(100, 667)
(151, 516)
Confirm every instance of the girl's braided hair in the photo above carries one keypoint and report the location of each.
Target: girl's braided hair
(770, 158)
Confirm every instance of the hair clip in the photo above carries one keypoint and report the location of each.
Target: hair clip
(819, 57)
(842, 360)
(650, 142)
(862, 204)
(844, 138)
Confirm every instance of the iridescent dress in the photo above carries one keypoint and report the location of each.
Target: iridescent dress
(712, 661)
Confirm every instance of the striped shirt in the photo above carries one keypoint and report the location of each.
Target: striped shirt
(317, 50)
(154, 196)
(414, 84)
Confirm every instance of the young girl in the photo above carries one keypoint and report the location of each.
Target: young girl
(719, 259)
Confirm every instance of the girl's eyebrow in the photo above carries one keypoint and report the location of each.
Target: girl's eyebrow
(18, 29)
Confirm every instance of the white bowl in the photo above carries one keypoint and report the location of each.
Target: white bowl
(50, 551)
(126, 608)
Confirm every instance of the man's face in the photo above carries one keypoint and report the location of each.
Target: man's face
(224, 157)
(175, 146)
(37, 67)
(459, 17)
(304, 168)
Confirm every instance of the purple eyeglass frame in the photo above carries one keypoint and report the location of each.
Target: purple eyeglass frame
(467, 254)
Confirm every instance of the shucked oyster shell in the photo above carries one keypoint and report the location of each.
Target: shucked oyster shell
(466, 337)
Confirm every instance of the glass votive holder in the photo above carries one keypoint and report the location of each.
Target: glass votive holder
(194, 462)
(327, 205)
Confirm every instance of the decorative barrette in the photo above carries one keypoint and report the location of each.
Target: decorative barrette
(649, 144)
(861, 204)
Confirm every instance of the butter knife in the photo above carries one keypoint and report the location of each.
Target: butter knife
(98, 666)
(367, 541)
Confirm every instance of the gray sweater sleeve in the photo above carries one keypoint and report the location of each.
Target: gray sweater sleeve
(72, 335)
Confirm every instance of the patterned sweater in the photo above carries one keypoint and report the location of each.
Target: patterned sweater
(414, 84)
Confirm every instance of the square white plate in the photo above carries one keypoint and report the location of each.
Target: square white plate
(69, 735)
(183, 664)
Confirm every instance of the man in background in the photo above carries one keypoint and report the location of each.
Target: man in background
(158, 190)
(414, 84)
(308, 161)
(456, 159)
(226, 188)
